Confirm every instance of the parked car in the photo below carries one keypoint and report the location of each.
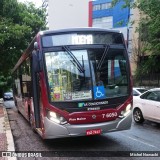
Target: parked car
(1, 100)
(7, 96)
(138, 91)
(147, 106)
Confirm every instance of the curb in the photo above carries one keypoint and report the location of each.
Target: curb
(10, 141)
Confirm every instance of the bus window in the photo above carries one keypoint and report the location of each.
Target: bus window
(66, 80)
(112, 74)
(26, 79)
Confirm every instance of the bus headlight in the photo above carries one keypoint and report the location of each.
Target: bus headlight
(126, 111)
(55, 117)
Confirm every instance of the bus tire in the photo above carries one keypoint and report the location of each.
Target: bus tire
(138, 116)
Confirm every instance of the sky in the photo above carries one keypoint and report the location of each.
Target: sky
(38, 3)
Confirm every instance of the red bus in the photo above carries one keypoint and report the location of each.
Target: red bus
(75, 82)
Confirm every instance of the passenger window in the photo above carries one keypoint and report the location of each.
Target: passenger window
(26, 85)
(135, 93)
(152, 96)
(144, 96)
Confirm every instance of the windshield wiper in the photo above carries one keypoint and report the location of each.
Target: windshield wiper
(80, 67)
(103, 56)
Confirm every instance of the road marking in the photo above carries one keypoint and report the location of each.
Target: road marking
(139, 141)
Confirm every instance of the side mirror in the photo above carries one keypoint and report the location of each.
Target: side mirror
(35, 45)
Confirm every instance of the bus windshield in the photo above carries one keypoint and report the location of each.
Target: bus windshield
(104, 74)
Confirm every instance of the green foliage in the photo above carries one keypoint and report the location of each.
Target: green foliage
(127, 3)
(149, 32)
(19, 23)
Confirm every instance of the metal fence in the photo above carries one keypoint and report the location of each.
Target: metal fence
(151, 80)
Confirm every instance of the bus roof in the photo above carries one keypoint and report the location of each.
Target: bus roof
(60, 31)
(24, 55)
(45, 32)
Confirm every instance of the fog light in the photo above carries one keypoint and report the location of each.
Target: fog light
(55, 117)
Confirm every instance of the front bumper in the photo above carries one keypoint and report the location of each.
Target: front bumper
(54, 130)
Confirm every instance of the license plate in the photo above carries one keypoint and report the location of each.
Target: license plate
(93, 132)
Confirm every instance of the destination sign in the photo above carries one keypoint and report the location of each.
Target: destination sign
(82, 39)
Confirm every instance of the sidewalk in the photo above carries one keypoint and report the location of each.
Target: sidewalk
(6, 138)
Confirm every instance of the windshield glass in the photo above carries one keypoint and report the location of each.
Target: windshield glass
(66, 81)
(109, 73)
(104, 74)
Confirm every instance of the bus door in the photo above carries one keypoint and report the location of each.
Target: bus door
(36, 88)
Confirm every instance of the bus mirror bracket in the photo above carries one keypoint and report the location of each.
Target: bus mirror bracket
(36, 61)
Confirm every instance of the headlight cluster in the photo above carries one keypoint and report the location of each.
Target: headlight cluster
(126, 111)
(55, 117)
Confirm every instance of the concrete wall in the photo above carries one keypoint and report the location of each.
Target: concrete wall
(134, 39)
(68, 13)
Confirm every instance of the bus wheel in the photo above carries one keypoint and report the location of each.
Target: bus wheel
(137, 116)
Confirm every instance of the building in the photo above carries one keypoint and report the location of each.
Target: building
(134, 43)
(103, 15)
(68, 13)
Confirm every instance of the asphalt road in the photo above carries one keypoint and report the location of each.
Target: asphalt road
(143, 137)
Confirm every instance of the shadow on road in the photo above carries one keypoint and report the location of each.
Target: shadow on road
(75, 143)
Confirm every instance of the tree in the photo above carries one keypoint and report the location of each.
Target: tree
(19, 23)
(149, 33)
